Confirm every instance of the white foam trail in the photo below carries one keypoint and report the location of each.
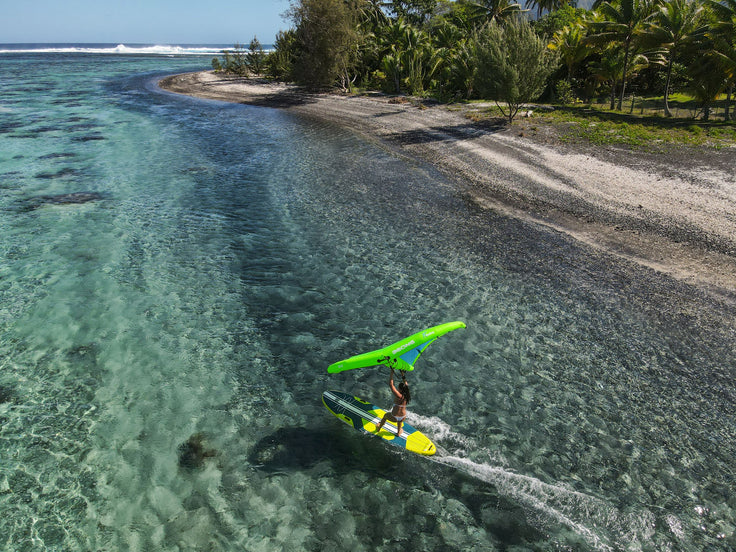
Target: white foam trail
(576, 510)
(438, 430)
(557, 503)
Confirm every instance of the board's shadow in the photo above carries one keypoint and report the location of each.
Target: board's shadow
(299, 448)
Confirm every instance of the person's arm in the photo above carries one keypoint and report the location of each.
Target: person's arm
(393, 387)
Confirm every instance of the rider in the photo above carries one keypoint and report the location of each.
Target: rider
(401, 400)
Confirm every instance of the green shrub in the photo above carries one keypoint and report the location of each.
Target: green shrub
(255, 57)
(564, 93)
(280, 61)
(513, 65)
(235, 61)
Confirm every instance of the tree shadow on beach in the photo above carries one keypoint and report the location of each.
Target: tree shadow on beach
(449, 133)
(643, 116)
(288, 96)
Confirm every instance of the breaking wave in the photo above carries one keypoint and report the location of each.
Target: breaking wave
(119, 49)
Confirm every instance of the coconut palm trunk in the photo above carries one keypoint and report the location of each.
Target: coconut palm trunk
(623, 76)
(622, 22)
(667, 112)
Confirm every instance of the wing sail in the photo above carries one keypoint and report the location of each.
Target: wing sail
(401, 355)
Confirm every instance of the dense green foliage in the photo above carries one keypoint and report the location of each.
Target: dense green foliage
(326, 42)
(255, 57)
(281, 61)
(234, 61)
(240, 61)
(620, 49)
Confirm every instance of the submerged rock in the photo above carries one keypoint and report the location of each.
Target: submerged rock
(74, 198)
(63, 155)
(67, 171)
(89, 138)
(6, 394)
(194, 451)
(82, 350)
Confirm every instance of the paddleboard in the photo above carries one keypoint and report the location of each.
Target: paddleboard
(365, 417)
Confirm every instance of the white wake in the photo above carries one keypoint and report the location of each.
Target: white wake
(600, 524)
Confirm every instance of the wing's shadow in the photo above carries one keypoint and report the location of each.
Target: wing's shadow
(298, 448)
(343, 451)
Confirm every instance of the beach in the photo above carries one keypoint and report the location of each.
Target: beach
(674, 212)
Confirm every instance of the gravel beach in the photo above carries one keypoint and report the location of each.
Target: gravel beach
(674, 212)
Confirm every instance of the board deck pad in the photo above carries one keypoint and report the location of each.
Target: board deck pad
(365, 417)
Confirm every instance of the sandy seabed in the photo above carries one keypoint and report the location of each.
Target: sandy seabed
(674, 212)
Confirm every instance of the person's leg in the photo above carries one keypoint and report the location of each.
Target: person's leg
(398, 428)
(386, 416)
(383, 421)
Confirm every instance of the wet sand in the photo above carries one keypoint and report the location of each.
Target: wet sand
(674, 212)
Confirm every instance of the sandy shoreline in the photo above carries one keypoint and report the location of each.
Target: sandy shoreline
(675, 213)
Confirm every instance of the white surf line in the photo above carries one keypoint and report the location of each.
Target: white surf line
(362, 413)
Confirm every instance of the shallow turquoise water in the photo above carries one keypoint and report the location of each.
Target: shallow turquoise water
(228, 254)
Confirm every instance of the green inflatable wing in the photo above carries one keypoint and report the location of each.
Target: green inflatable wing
(401, 355)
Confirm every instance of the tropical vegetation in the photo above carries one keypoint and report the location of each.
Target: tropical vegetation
(509, 52)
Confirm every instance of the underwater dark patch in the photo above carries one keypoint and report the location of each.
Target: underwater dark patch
(75, 198)
(90, 138)
(194, 451)
(6, 394)
(63, 155)
(11, 126)
(66, 171)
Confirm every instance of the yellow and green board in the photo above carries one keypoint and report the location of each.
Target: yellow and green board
(365, 417)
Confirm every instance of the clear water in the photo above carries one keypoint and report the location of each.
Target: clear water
(230, 253)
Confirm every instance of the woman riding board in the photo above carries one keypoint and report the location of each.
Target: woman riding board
(401, 400)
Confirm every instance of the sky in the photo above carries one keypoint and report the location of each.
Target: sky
(142, 21)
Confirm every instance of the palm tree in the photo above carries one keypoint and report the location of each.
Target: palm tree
(571, 44)
(408, 56)
(608, 69)
(447, 40)
(709, 79)
(675, 25)
(463, 67)
(727, 52)
(486, 11)
(390, 51)
(370, 15)
(548, 5)
(723, 34)
(725, 12)
(623, 22)
(418, 59)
